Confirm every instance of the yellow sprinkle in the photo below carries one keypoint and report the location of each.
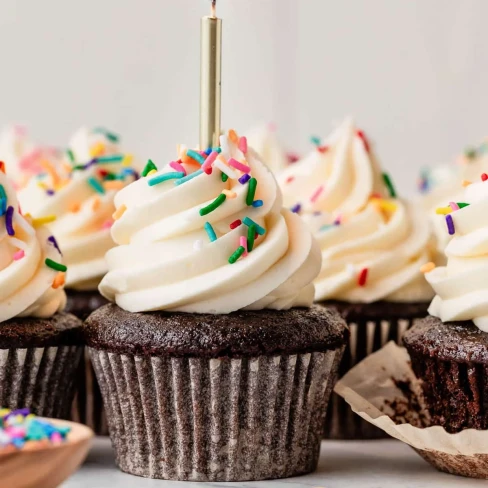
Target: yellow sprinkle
(229, 193)
(42, 185)
(384, 205)
(75, 207)
(97, 149)
(96, 204)
(127, 161)
(119, 212)
(443, 210)
(233, 136)
(466, 183)
(152, 172)
(4, 411)
(59, 280)
(113, 185)
(427, 268)
(43, 220)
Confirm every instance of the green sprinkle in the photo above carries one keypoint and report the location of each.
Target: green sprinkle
(116, 158)
(224, 177)
(149, 167)
(389, 185)
(247, 221)
(188, 177)
(95, 184)
(196, 156)
(79, 167)
(54, 265)
(236, 255)
(470, 152)
(71, 155)
(251, 236)
(109, 135)
(462, 204)
(217, 149)
(215, 204)
(210, 231)
(315, 140)
(251, 191)
(165, 177)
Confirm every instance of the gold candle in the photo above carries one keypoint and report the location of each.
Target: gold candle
(210, 80)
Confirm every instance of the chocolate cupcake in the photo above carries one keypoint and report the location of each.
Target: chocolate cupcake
(449, 350)
(212, 365)
(373, 245)
(40, 347)
(78, 187)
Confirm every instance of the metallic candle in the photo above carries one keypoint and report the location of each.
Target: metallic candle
(210, 80)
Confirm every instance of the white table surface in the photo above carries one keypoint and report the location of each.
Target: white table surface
(367, 464)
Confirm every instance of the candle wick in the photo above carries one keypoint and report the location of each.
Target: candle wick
(214, 14)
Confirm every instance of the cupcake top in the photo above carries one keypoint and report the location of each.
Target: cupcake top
(264, 140)
(31, 264)
(207, 234)
(372, 242)
(76, 192)
(461, 286)
(440, 184)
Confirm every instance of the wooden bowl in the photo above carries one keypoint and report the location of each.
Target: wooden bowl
(45, 465)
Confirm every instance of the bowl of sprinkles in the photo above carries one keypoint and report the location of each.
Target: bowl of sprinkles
(39, 452)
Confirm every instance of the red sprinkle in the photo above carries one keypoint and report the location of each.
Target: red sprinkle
(290, 179)
(322, 149)
(484, 177)
(208, 170)
(363, 276)
(236, 223)
(2, 166)
(102, 172)
(361, 134)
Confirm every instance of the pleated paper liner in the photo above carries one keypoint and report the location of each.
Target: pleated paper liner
(216, 419)
(41, 379)
(366, 337)
(383, 390)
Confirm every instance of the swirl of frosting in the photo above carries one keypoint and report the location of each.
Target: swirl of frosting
(208, 234)
(461, 287)
(31, 266)
(80, 193)
(372, 243)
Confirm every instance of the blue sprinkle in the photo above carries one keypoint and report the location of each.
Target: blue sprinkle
(315, 140)
(196, 156)
(165, 177)
(296, 208)
(247, 221)
(210, 232)
(244, 179)
(257, 203)
(189, 177)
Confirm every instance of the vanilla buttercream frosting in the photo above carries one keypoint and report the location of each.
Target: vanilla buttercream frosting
(373, 243)
(31, 265)
(461, 286)
(207, 234)
(77, 192)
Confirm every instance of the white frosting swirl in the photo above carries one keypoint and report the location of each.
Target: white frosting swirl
(166, 261)
(461, 286)
(28, 287)
(81, 199)
(372, 245)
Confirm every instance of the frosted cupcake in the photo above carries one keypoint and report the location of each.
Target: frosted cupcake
(373, 245)
(213, 366)
(75, 193)
(40, 346)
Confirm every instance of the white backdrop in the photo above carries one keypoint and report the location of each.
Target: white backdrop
(413, 73)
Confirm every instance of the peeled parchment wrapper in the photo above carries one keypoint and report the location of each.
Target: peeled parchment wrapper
(376, 389)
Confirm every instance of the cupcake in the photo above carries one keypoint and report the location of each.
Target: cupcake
(265, 141)
(449, 349)
(373, 244)
(76, 191)
(40, 346)
(212, 365)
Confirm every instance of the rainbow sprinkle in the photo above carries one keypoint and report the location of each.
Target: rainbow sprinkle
(389, 185)
(251, 237)
(165, 177)
(19, 255)
(244, 179)
(235, 224)
(9, 224)
(427, 268)
(316, 194)
(450, 225)
(224, 177)
(243, 145)
(195, 156)
(214, 205)
(54, 242)
(188, 177)
(363, 277)
(243, 243)
(210, 231)
(243, 168)
(237, 254)
(150, 166)
(257, 203)
(316, 141)
(96, 185)
(178, 167)
(247, 221)
(251, 191)
(56, 266)
(43, 220)
(296, 208)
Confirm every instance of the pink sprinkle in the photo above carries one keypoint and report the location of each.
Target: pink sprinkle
(56, 438)
(107, 224)
(207, 165)
(19, 254)
(317, 193)
(454, 206)
(290, 179)
(243, 243)
(241, 167)
(20, 130)
(178, 167)
(243, 145)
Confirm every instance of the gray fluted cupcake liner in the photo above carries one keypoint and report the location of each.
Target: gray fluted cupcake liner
(216, 419)
(366, 337)
(88, 406)
(41, 379)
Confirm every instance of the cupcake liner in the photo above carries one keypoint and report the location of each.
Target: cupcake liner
(41, 379)
(219, 419)
(384, 391)
(366, 337)
(88, 406)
